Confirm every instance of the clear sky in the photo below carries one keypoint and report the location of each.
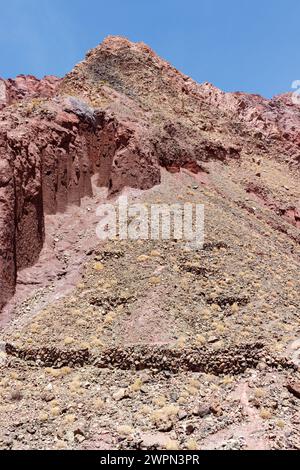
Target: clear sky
(246, 45)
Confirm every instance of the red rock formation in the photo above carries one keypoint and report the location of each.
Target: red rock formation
(121, 114)
(46, 163)
(26, 86)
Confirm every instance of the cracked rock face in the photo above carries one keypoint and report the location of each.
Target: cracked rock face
(122, 114)
(47, 162)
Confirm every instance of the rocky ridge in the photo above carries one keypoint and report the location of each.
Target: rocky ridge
(224, 319)
(121, 114)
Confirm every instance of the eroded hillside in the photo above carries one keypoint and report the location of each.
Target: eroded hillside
(147, 344)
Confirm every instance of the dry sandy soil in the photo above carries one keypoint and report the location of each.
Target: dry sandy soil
(101, 346)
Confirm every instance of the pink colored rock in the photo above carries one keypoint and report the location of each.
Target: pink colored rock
(26, 86)
(294, 388)
(121, 114)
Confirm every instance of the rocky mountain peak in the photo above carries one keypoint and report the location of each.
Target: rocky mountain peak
(181, 339)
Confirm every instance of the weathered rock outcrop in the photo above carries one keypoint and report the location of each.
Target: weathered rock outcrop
(47, 162)
(26, 86)
(121, 115)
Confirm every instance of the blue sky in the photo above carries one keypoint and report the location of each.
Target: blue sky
(246, 45)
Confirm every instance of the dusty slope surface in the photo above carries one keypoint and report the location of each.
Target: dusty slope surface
(149, 344)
